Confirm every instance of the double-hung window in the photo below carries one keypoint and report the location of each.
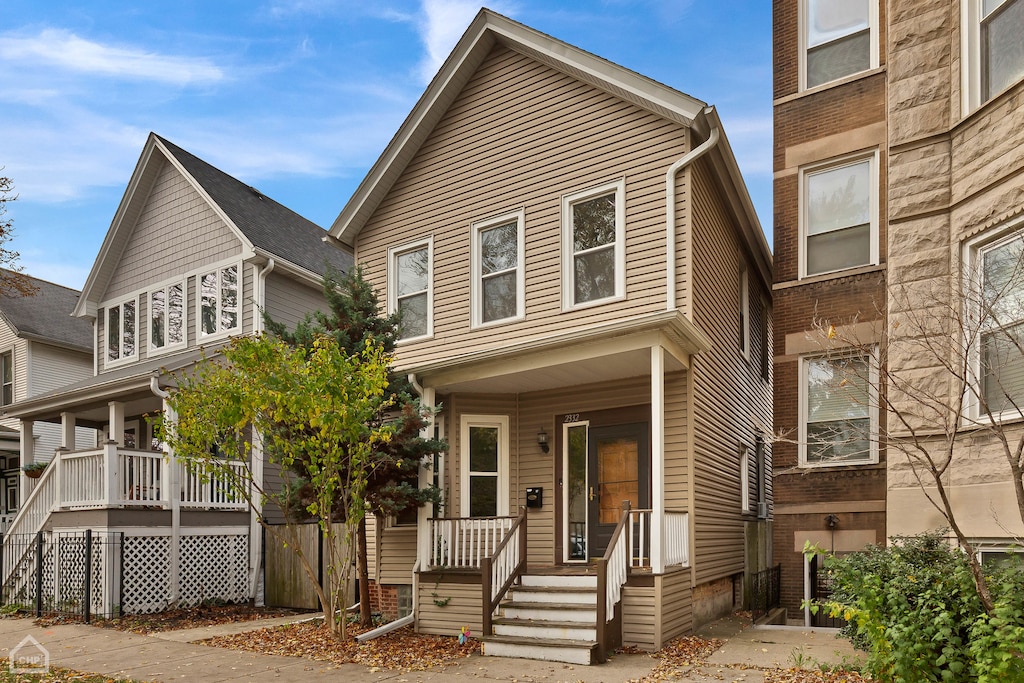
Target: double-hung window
(485, 452)
(839, 215)
(410, 288)
(122, 330)
(218, 301)
(838, 410)
(839, 39)
(999, 362)
(993, 50)
(167, 317)
(593, 245)
(497, 265)
(6, 378)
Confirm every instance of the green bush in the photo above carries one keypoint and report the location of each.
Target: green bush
(914, 607)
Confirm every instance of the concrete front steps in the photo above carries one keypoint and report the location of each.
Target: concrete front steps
(551, 617)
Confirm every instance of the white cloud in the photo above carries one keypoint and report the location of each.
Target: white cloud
(66, 50)
(441, 24)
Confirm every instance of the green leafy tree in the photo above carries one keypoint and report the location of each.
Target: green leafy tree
(353, 321)
(313, 410)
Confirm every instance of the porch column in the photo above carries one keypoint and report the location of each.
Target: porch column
(67, 431)
(116, 428)
(27, 456)
(426, 475)
(657, 459)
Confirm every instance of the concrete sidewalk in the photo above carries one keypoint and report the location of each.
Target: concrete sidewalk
(169, 658)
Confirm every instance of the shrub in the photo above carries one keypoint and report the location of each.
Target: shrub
(914, 607)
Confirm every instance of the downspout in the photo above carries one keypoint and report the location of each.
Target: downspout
(173, 494)
(261, 295)
(423, 515)
(670, 210)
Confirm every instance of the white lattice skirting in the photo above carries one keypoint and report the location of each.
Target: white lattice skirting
(211, 566)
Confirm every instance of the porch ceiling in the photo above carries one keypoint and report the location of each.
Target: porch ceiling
(603, 353)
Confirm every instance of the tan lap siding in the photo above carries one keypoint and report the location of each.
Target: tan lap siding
(654, 615)
(444, 607)
(639, 613)
(176, 232)
(520, 135)
(397, 554)
(677, 466)
(729, 394)
(676, 605)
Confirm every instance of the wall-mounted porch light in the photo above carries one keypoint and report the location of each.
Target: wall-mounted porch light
(542, 440)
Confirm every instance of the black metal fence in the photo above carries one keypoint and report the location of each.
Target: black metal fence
(765, 589)
(67, 573)
(821, 591)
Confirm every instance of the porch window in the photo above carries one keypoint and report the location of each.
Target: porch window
(121, 330)
(218, 301)
(839, 412)
(498, 279)
(6, 378)
(410, 288)
(484, 466)
(593, 245)
(167, 317)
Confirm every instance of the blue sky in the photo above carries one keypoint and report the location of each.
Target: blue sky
(299, 97)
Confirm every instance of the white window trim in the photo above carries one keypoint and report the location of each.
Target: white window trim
(148, 296)
(565, 491)
(501, 422)
(198, 303)
(745, 461)
(393, 254)
(872, 410)
(873, 62)
(972, 249)
(108, 362)
(970, 57)
(14, 398)
(744, 311)
(830, 164)
(476, 268)
(568, 275)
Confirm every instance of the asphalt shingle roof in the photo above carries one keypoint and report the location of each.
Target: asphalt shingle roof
(270, 226)
(46, 315)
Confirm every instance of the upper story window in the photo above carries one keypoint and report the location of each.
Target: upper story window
(999, 316)
(839, 39)
(410, 288)
(839, 215)
(218, 301)
(838, 410)
(122, 330)
(593, 245)
(167, 317)
(993, 49)
(498, 280)
(6, 378)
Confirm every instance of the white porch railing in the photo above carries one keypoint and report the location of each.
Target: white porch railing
(463, 543)
(213, 490)
(81, 479)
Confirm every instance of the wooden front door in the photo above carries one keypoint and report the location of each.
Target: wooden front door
(617, 471)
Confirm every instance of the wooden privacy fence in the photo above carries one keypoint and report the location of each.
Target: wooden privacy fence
(287, 583)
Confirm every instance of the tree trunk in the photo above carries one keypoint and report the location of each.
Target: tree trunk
(365, 613)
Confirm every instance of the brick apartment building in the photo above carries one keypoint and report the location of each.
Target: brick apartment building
(899, 170)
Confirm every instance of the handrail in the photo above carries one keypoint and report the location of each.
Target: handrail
(493, 566)
(463, 542)
(606, 598)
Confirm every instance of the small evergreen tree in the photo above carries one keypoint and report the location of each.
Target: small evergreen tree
(353, 320)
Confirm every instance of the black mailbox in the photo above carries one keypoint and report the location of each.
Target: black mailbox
(535, 497)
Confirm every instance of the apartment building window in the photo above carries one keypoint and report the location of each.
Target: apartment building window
(497, 265)
(485, 448)
(999, 363)
(122, 329)
(410, 291)
(839, 39)
(218, 301)
(6, 378)
(838, 410)
(993, 50)
(167, 317)
(593, 245)
(839, 215)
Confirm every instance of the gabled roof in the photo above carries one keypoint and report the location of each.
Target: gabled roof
(489, 29)
(264, 227)
(46, 315)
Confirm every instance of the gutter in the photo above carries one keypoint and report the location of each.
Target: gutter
(670, 208)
